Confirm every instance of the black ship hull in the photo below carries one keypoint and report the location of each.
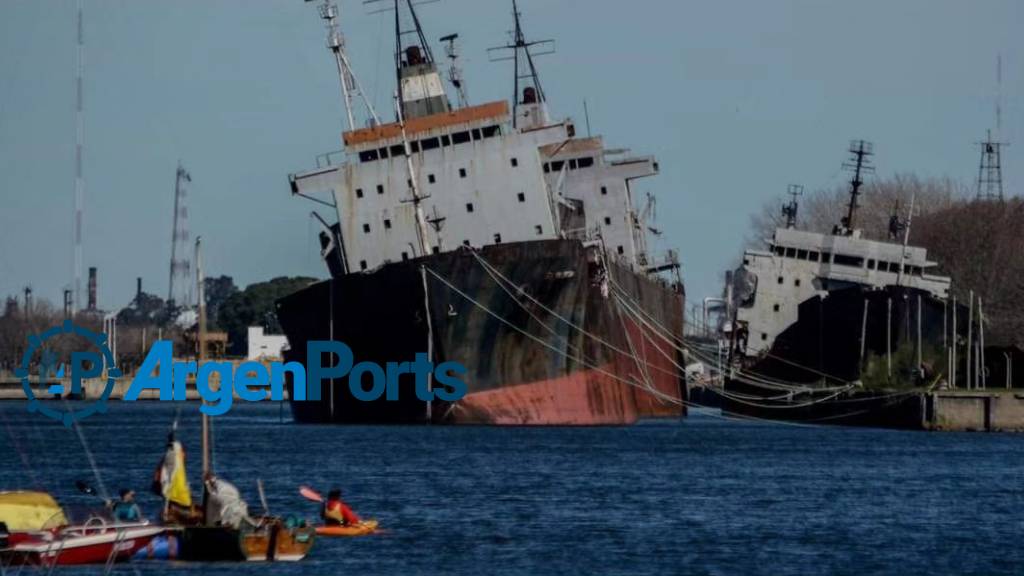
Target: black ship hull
(852, 358)
(554, 345)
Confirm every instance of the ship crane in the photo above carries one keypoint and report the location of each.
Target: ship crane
(349, 82)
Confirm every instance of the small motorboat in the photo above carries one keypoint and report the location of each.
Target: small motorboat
(361, 529)
(38, 532)
(90, 543)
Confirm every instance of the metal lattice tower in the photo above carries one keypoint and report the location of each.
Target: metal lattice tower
(179, 293)
(990, 168)
(79, 150)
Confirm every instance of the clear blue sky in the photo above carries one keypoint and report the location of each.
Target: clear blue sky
(736, 98)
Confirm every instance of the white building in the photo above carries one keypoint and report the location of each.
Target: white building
(263, 346)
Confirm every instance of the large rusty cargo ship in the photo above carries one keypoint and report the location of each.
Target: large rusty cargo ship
(491, 236)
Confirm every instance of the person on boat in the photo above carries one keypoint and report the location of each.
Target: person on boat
(125, 509)
(224, 504)
(336, 512)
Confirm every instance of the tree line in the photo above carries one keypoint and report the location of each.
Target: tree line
(978, 243)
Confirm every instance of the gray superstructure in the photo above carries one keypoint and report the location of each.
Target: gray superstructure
(479, 175)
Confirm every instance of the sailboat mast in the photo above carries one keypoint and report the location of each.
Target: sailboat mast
(201, 340)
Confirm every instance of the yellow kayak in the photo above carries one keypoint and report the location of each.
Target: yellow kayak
(363, 528)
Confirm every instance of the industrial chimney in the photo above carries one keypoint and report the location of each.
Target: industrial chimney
(92, 288)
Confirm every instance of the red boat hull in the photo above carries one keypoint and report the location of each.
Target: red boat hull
(77, 545)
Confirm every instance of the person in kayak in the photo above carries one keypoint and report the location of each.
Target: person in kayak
(125, 509)
(336, 512)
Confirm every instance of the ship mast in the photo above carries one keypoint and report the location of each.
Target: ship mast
(525, 71)
(349, 83)
(791, 208)
(201, 339)
(414, 189)
(859, 164)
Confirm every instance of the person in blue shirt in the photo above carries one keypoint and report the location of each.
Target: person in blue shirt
(125, 509)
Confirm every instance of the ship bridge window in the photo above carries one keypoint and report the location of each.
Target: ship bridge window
(852, 261)
(368, 156)
(780, 251)
(894, 267)
(801, 254)
(414, 146)
(557, 166)
(522, 197)
(572, 164)
(383, 153)
(585, 162)
(790, 252)
(547, 167)
(398, 150)
(826, 257)
(446, 140)
(476, 134)
(871, 264)
(366, 228)
(359, 192)
(492, 131)
(460, 137)
(813, 256)
(430, 144)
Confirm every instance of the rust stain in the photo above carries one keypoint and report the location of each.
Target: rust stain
(416, 125)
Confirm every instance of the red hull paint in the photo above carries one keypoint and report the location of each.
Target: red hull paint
(65, 549)
(656, 359)
(583, 398)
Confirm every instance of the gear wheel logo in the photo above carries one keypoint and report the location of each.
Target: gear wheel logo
(36, 343)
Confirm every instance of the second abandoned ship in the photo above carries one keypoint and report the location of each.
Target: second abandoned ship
(838, 328)
(493, 237)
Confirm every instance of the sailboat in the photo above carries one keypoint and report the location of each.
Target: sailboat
(220, 528)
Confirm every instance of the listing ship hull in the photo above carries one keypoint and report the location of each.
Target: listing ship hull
(580, 357)
(823, 350)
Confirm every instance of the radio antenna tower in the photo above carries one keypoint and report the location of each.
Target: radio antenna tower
(179, 293)
(349, 83)
(990, 168)
(860, 164)
(522, 55)
(790, 209)
(79, 149)
(454, 70)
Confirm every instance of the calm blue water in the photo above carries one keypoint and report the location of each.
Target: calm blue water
(701, 496)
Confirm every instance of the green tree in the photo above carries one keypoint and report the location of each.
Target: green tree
(254, 306)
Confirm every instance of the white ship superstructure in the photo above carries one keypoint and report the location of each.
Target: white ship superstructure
(480, 175)
(799, 265)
